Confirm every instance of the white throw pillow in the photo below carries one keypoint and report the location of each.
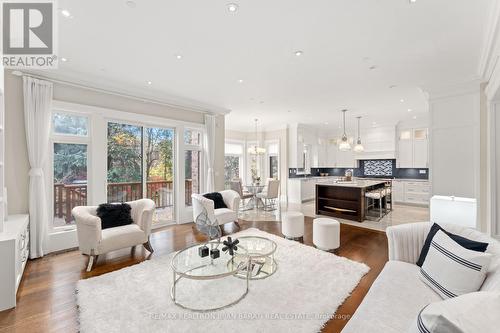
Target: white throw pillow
(453, 270)
(470, 313)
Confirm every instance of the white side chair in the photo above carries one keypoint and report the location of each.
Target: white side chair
(223, 215)
(270, 193)
(93, 241)
(292, 225)
(326, 234)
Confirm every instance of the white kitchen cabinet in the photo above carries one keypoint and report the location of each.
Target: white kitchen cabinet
(411, 192)
(420, 151)
(308, 189)
(398, 191)
(405, 153)
(413, 148)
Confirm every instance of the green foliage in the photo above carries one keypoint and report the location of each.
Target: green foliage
(64, 123)
(124, 153)
(70, 163)
(231, 168)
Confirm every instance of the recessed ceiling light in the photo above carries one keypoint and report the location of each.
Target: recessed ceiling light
(232, 7)
(64, 59)
(402, 100)
(65, 13)
(413, 1)
(178, 56)
(130, 4)
(299, 53)
(410, 110)
(414, 117)
(149, 83)
(240, 81)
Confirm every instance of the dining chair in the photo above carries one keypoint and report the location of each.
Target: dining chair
(236, 185)
(270, 194)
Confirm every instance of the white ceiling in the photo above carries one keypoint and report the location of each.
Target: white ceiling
(413, 46)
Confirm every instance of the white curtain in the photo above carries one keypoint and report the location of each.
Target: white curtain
(209, 150)
(37, 111)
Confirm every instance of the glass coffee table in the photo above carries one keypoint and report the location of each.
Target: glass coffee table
(258, 255)
(188, 264)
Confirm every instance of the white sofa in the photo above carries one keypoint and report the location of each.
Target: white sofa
(223, 215)
(93, 241)
(397, 295)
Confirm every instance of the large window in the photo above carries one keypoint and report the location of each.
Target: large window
(233, 162)
(140, 165)
(192, 158)
(114, 156)
(70, 163)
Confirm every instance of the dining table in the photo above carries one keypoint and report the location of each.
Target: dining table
(254, 189)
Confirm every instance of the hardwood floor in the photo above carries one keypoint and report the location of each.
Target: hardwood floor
(46, 299)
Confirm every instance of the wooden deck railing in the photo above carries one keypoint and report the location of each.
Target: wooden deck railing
(66, 197)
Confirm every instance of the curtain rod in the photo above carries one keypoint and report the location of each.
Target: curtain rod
(111, 92)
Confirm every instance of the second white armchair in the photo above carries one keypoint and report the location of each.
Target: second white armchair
(222, 215)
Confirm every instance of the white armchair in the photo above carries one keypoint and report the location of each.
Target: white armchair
(93, 241)
(223, 215)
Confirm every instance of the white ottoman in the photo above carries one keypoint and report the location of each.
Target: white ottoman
(326, 234)
(292, 225)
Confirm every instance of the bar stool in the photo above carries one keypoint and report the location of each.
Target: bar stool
(374, 195)
(388, 198)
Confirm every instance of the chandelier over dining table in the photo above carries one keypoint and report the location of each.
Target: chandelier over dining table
(256, 149)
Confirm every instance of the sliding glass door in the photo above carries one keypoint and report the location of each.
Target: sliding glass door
(140, 165)
(159, 171)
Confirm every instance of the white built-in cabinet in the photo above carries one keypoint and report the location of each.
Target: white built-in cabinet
(411, 191)
(2, 151)
(413, 148)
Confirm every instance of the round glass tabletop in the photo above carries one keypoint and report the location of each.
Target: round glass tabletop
(256, 246)
(190, 264)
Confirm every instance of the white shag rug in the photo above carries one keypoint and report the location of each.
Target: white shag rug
(301, 296)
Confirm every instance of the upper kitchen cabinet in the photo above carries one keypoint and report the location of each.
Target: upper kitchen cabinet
(413, 148)
(379, 143)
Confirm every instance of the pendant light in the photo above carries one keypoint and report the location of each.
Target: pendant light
(344, 144)
(358, 148)
(255, 149)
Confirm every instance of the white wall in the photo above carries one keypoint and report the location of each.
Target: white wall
(16, 159)
(455, 142)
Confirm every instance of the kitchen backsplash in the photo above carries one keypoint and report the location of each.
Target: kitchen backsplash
(381, 168)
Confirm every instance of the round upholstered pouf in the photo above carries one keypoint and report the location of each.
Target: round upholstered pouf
(292, 225)
(326, 234)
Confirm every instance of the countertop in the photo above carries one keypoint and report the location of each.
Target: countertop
(363, 178)
(358, 183)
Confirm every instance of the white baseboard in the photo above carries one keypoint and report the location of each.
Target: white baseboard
(62, 240)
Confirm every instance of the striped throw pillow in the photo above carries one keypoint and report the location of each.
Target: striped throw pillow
(451, 269)
(470, 313)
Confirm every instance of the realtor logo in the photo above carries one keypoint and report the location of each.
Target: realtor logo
(28, 34)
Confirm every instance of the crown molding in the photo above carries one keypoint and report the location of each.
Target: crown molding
(463, 88)
(130, 92)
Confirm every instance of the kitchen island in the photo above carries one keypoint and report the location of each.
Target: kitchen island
(345, 200)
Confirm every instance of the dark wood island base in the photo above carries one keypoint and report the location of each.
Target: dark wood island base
(344, 200)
